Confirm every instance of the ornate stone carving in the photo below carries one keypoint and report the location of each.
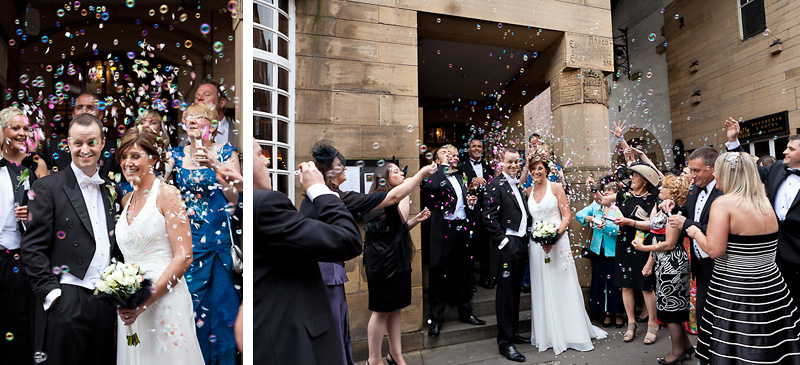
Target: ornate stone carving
(574, 86)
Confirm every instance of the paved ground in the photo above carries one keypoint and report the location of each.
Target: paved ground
(607, 351)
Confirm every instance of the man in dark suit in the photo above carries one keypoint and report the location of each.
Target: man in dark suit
(450, 274)
(68, 244)
(478, 173)
(292, 316)
(15, 287)
(59, 157)
(695, 213)
(782, 183)
(507, 220)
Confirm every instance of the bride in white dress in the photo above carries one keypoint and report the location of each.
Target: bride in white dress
(559, 318)
(153, 232)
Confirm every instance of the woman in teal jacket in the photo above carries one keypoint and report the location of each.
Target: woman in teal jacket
(604, 296)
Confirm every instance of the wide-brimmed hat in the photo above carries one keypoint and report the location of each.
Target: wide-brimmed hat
(647, 172)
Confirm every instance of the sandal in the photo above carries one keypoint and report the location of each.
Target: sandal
(650, 337)
(630, 333)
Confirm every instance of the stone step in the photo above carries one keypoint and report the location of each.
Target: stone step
(452, 332)
(483, 305)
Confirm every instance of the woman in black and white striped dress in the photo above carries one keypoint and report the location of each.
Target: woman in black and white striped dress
(750, 316)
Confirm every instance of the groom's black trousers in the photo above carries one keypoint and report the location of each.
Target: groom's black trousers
(509, 284)
(80, 329)
(16, 298)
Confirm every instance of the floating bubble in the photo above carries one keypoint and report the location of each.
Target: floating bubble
(649, 75)
(652, 37)
(381, 162)
(163, 9)
(478, 26)
(376, 145)
(16, 256)
(438, 20)
(423, 148)
(151, 12)
(766, 32)
(188, 278)
(663, 10)
(205, 28)
(12, 42)
(60, 13)
(218, 46)
(9, 335)
(650, 92)
(382, 182)
(677, 16)
(360, 163)
(106, 154)
(144, 33)
(188, 44)
(429, 156)
(16, 270)
(535, 54)
(418, 142)
(212, 338)
(39, 357)
(130, 3)
(410, 128)
(233, 6)
(23, 79)
(499, 25)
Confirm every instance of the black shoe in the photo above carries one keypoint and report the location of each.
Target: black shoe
(607, 324)
(643, 320)
(473, 321)
(679, 359)
(520, 340)
(511, 353)
(434, 330)
(484, 283)
(621, 324)
(689, 352)
(390, 359)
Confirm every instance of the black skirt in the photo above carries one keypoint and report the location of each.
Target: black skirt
(390, 294)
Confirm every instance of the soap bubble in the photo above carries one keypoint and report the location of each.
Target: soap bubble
(218, 46)
(410, 128)
(376, 145)
(205, 28)
(652, 37)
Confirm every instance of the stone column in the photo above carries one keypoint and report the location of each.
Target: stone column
(579, 102)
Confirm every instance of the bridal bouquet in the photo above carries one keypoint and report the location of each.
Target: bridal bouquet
(544, 233)
(124, 285)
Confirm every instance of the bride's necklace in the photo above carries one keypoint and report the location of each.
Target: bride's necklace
(135, 200)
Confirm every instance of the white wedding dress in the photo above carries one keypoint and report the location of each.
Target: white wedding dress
(558, 314)
(166, 328)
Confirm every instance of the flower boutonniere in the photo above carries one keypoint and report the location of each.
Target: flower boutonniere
(626, 195)
(112, 196)
(464, 180)
(24, 180)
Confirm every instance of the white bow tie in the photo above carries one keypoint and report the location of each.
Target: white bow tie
(513, 181)
(91, 181)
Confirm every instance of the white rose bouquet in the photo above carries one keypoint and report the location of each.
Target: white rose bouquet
(124, 285)
(544, 233)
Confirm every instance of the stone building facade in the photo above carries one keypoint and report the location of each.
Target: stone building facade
(716, 72)
(358, 76)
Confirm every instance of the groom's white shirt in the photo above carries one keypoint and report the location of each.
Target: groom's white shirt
(92, 196)
(9, 235)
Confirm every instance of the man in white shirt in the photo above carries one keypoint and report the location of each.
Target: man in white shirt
(781, 183)
(696, 211)
(450, 275)
(478, 174)
(507, 219)
(68, 244)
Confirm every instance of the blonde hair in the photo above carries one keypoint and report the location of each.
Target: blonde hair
(678, 188)
(201, 108)
(737, 174)
(8, 113)
(163, 136)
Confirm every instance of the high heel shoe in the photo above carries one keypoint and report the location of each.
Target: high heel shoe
(689, 352)
(391, 361)
(679, 359)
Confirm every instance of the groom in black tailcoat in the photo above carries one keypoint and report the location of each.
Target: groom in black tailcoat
(507, 220)
(292, 317)
(69, 242)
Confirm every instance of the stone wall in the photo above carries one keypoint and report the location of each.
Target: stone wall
(739, 79)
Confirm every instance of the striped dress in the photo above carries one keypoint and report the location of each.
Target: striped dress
(749, 316)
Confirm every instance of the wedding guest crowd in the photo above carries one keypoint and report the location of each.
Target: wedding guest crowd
(61, 229)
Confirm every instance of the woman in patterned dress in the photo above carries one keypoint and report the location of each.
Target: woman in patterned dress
(671, 269)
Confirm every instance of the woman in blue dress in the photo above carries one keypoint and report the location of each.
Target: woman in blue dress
(209, 204)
